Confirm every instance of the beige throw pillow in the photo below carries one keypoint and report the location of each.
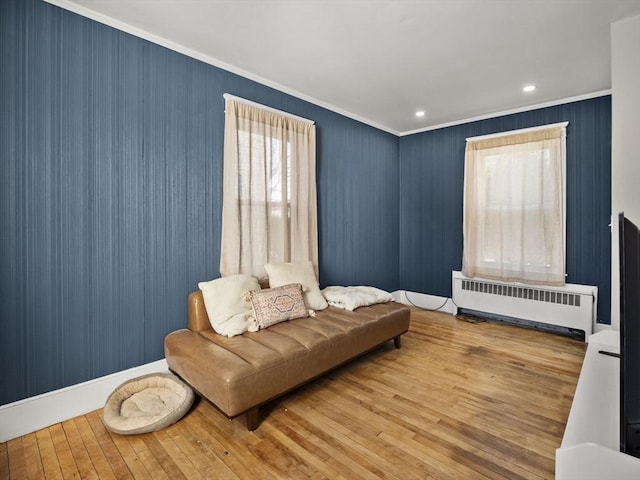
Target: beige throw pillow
(299, 272)
(275, 305)
(227, 304)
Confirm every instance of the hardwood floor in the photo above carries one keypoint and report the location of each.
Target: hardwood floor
(458, 400)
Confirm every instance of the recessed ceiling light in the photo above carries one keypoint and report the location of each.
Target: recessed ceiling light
(528, 88)
(420, 113)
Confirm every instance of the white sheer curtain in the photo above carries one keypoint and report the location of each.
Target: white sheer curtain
(269, 190)
(514, 227)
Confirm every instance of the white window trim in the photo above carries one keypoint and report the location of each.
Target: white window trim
(562, 125)
(522, 130)
(564, 166)
(228, 96)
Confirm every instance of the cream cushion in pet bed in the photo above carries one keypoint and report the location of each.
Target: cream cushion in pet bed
(147, 403)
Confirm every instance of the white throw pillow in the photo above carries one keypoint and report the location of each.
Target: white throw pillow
(299, 272)
(227, 304)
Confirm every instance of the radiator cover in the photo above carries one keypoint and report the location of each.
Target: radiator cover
(571, 306)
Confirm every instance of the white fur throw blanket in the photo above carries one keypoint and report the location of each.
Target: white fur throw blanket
(350, 298)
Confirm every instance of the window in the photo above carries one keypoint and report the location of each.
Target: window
(514, 206)
(269, 199)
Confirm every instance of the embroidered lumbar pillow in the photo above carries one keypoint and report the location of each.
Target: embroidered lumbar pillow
(274, 305)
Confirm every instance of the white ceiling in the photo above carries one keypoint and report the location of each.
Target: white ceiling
(379, 61)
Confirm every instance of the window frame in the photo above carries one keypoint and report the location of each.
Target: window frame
(483, 268)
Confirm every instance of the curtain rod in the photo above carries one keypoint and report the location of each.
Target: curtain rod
(228, 96)
(523, 130)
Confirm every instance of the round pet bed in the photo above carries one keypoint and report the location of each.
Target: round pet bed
(146, 404)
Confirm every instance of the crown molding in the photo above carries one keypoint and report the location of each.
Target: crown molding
(156, 39)
(502, 113)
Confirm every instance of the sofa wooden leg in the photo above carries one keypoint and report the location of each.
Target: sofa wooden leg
(397, 341)
(251, 417)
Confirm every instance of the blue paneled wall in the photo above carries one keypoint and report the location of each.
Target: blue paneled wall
(111, 191)
(431, 179)
(111, 195)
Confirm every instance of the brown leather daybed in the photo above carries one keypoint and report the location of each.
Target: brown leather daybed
(239, 374)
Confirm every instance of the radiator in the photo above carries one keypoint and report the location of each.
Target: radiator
(570, 306)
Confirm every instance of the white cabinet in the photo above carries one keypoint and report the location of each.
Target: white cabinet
(591, 442)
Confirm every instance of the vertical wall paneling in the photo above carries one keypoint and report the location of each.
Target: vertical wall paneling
(432, 173)
(356, 217)
(111, 195)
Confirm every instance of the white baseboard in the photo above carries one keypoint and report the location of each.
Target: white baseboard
(422, 300)
(34, 413)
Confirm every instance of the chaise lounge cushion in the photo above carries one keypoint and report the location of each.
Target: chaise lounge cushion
(242, 372)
